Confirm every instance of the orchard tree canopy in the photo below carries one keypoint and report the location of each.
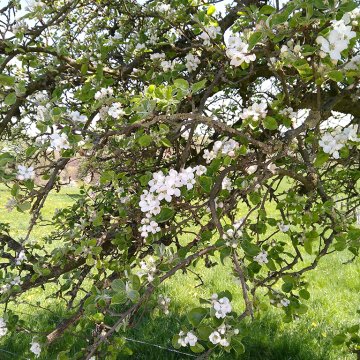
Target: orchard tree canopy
(189, 117)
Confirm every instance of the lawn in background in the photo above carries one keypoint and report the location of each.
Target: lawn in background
(334, 289)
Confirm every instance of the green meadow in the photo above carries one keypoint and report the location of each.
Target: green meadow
(334, 289)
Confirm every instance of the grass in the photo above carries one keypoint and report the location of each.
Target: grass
(334, 289)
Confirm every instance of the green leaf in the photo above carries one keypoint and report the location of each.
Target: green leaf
(5, 158)
(206, 183)
(339, 339)
(249, 248)
(10, 99)
(321, 159)
(287, 287)
(119, 298)
(144, 140)
(175, 342)
(353, 329)
(255, 198)
(198, 86)
(288, 279)
(237, 345)
(302, 309)
(271, 265)
(267, 10)
(336, 75)
(166, 142)
(270, 123)
(304, 294)
(204, 332)
(198, 348)
(7, 80)
(308, 245)
(165, 215)
(181, 84)
(196, 315)
(254, 39)
(133, 295)
(118, 285)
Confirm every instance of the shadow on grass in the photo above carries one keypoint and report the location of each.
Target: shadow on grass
(267, 338)
(264, 339)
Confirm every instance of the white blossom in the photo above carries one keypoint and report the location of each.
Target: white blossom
(103, 93)
(215, 337)
(16, 281)
(283, 227)
(77, 117)
(20, 258)
(332, 142)
(35, 348)
(238, 52)
(192, 62)
(116, 110)
(337, 40)
(59, 141)
(157, 56)
(222, 307)
(227, 184)
(226, 147)
(25, 173)
(164, 303)
(261, 258)
(3, 328)
(191, 339)
(148, 268)
(256, 111)
(210, 32)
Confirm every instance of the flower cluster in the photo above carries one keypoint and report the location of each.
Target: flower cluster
(59, 141)
(76, 117)
(3, 328)
(164, 303)
(35, 348)
(25, 173)
(238, 52)
(279, 301)
(192, 62)
(188, 338)
(332, 142)
(221, 306)
(226, 184)
(148, 268)
(289, 113)
(103, 93)
(116, 110)
(222, 334)
(255, 112)
(233, 235)
(20, 258)
(149, 226)
(210, 32)
(36, 6)
(337, 40)
(226, 147)
(165, 187)
(283, 227)
(261, 258)
(157, 56)
(168, 65)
